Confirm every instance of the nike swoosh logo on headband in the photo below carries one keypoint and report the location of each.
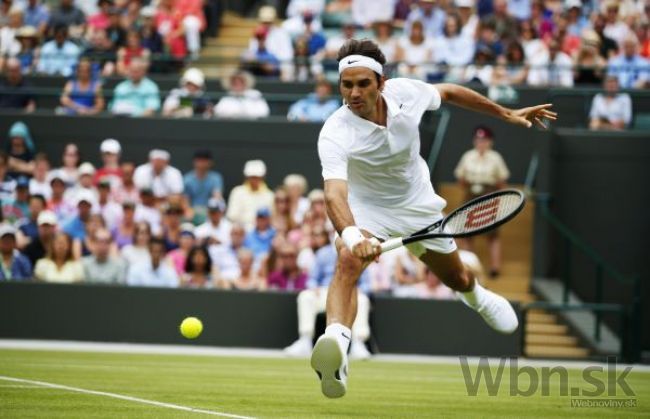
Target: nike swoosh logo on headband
(352, 62)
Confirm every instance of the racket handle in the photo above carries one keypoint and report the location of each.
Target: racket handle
(391, 244)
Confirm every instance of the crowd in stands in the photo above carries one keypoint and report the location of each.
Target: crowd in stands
(149, 224)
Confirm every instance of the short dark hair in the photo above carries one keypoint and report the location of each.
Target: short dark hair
(39, 197)
(189, 261)
(203, 154)
(365, 47)
(157, 241)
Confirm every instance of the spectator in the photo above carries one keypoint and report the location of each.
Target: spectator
(186, 243)
(407, 273)
(468, 18)
(151, 39)
(366, 12)
(515, 64)
(277, 40)
(69, 171)
(202, 183)
(124, 231)
(501, 20)
(482, 170)
(317, 107)
(63, 208)
(147, 211)
(84, 185)
(252, 195)
(577, 21)
(334, 43)
(138, 95)
(611, 110)
(559, 71)
(454, 49)
(296, 186)
(590, 65)
(155, 272)
(16, 91)
(429, 15)
(101, 51)
(101, 19)
(83, 96)
(169, 24)
(417, 53)
(216, 230)
(631, 69)
(481, 69)
(7, 183)
(190, 98)
(198, 269)
(15, 266)
(126, 190)
(138, 250)
(59, 55)
(39, 184)
(85, 245)
(115, 33)
(16, 208)
(383, 37)
(241, 100)
(20, 149)
(248, 279)
(110, 210)
(36, 15)
(259, 239)
(100, 266)
(224, 256)
(615, 27)
(47, 224)
(281, 214)
(157, 175)
(68, 16)
(608, 47)
(305, 65)
(193, 22)
(110, 170)
(9, 45)
(132, 49)
(28, 38)
(288, 277)
(312, 301)
(29, 226)
(171, 232)
(76, 227)
(59, 265)
(261, 62)
(488, 39)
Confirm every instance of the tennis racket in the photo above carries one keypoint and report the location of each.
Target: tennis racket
(477, 216)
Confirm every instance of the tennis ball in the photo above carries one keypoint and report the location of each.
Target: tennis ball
(191, 327)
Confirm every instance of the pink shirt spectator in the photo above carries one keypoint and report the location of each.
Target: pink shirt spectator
(99, 21)
(178, 258)
(280, 280)
(168, 25)
(191, 8)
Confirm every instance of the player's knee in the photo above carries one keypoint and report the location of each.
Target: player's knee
(349, 266)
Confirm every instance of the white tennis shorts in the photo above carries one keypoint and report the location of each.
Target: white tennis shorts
(398, 221)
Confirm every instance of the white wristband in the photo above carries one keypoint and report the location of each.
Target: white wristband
(352, 236)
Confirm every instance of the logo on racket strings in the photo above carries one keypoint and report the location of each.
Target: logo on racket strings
(482, 215)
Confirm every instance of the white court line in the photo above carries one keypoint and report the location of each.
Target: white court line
(121, 397)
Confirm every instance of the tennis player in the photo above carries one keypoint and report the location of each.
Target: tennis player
(378, 186)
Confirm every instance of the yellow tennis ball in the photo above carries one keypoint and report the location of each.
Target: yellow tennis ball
(191, 327)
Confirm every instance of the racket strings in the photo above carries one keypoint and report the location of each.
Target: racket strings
(482, 214)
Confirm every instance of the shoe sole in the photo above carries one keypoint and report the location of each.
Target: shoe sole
(327, 359)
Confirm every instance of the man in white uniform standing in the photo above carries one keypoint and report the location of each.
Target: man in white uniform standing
(378, 186)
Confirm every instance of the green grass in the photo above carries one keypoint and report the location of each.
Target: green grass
(263, 387)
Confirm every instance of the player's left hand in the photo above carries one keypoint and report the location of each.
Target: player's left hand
(532, 115)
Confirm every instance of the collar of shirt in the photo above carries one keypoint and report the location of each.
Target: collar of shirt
(366, 127)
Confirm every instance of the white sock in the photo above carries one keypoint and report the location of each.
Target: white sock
(476, 297)
(342, 335)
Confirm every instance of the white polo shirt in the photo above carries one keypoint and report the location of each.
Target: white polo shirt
(382, 165)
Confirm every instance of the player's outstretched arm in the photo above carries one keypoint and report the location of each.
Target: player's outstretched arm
(469, 99)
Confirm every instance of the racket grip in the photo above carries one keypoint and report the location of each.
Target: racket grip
(391, 244)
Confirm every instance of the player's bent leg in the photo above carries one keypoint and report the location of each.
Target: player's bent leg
(329, 357)
(495, 310)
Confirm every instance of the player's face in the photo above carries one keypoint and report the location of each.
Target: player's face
(360, 90)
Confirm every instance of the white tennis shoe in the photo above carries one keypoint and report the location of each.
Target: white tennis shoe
(331, 364)
(496, 311)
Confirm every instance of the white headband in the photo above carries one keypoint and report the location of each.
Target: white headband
(360, 61)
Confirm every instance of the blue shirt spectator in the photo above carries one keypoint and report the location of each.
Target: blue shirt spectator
(59, 55)
(259, 239)
(431, 16)
(324, 267)
(201, 184)
(153, 273)
(317, 107)
(13, 264)
(632, 71)
(138, 95)
(36, 14)
(75, 228)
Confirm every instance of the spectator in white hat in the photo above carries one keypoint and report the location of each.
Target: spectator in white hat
(242, 101)
(47, 223)
(158, 175)
(190, 98)
(76, 227)
(216, 230)
(252, 195)
(84, 186)
(111, 151)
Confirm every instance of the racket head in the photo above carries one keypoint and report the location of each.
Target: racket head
(484, 213)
